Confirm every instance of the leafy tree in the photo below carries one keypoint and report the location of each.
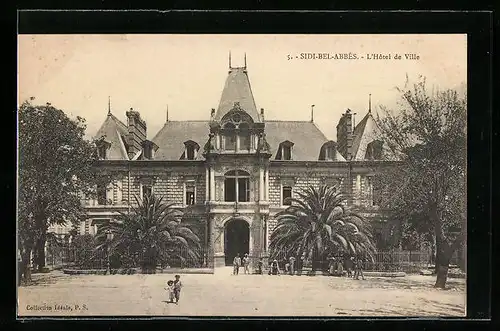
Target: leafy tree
(319, 222)
(153, 231)
(55, 168)
(427, 133)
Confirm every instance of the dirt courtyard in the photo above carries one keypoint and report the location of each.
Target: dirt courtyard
(223, 294)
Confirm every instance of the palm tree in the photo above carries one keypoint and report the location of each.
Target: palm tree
(153, 231)
(319, 223)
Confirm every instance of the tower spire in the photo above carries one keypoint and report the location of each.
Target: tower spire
(167, 113)
(312, 113)
(370, 103)
(245, 60)
(109, 105)
(229, 59)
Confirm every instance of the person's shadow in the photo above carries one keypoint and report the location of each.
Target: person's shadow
(168, 301)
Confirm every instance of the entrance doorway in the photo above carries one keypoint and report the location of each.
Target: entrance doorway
(236, 239)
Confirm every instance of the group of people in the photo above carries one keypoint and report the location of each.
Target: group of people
(173, 289)
(350, 264)
(239, 262)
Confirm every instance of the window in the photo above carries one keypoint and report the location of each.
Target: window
(287, 195)
(148, 153)
(237, 186)
(375, 191)
(245, 137)
(102, 151)
(285, 151)
(190, 193)
(147, 190)
(374, 150)
(191, 150)
(102, 194)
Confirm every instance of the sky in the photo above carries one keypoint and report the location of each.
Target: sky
(186, 73)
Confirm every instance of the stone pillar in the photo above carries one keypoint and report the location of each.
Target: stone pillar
(261, 184)
(266, 188)
(207, 184)
(212, 184)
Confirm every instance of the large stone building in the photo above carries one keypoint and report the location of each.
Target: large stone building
(232, 172)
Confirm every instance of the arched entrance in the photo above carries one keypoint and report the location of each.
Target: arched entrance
(236, 239)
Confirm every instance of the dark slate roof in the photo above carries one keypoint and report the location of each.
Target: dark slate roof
(170, 139)
(237, 89)
(113, 130)
(306, 136)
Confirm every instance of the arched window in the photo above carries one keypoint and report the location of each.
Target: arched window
(237, 186)
(328, 151)
(285, 151)
(191, 149)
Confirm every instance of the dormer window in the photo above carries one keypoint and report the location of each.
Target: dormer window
(191, 149)
(285, 151)
(374, 150)
(102, 149)
(328, 151)
(148, 150)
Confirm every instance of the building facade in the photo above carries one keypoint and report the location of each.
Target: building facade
(232, 172)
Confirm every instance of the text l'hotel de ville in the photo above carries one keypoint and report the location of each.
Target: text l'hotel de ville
(353, 56)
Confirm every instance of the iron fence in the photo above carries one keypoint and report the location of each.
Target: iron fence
(67, 256)
(406, 261)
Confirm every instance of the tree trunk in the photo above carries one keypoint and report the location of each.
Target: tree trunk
(443, 256)
(40, 252)
(26, 266)
(442, 264)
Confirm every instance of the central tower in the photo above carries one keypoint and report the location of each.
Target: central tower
(237, 157)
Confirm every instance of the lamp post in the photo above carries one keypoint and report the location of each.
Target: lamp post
(109, 237)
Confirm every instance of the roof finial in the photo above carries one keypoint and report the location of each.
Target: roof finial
(109, 105)
(370, 103)
(312, 113)
(245, 60)
(167, 113)
(229, 60)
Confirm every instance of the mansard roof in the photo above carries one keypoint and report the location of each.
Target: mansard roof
(171, 138)
(306, 136)
(237, 91)
(113, 130)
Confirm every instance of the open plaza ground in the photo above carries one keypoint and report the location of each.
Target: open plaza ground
(222, 294)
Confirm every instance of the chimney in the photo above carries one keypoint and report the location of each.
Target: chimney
(345, 135)
(136, 132)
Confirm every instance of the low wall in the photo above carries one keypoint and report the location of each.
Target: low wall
(133, 271)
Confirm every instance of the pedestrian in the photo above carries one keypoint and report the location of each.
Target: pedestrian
(246, 263)
(236, 264)
(349, 264)
(292, 265)
(340, 267)
(274, 270)
(177, 288)
(170, 291)
(331, 265)
(260, 264)
(358, 267)
(286, 265)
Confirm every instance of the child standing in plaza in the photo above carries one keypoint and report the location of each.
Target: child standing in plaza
(177, 288)
(170, 290)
